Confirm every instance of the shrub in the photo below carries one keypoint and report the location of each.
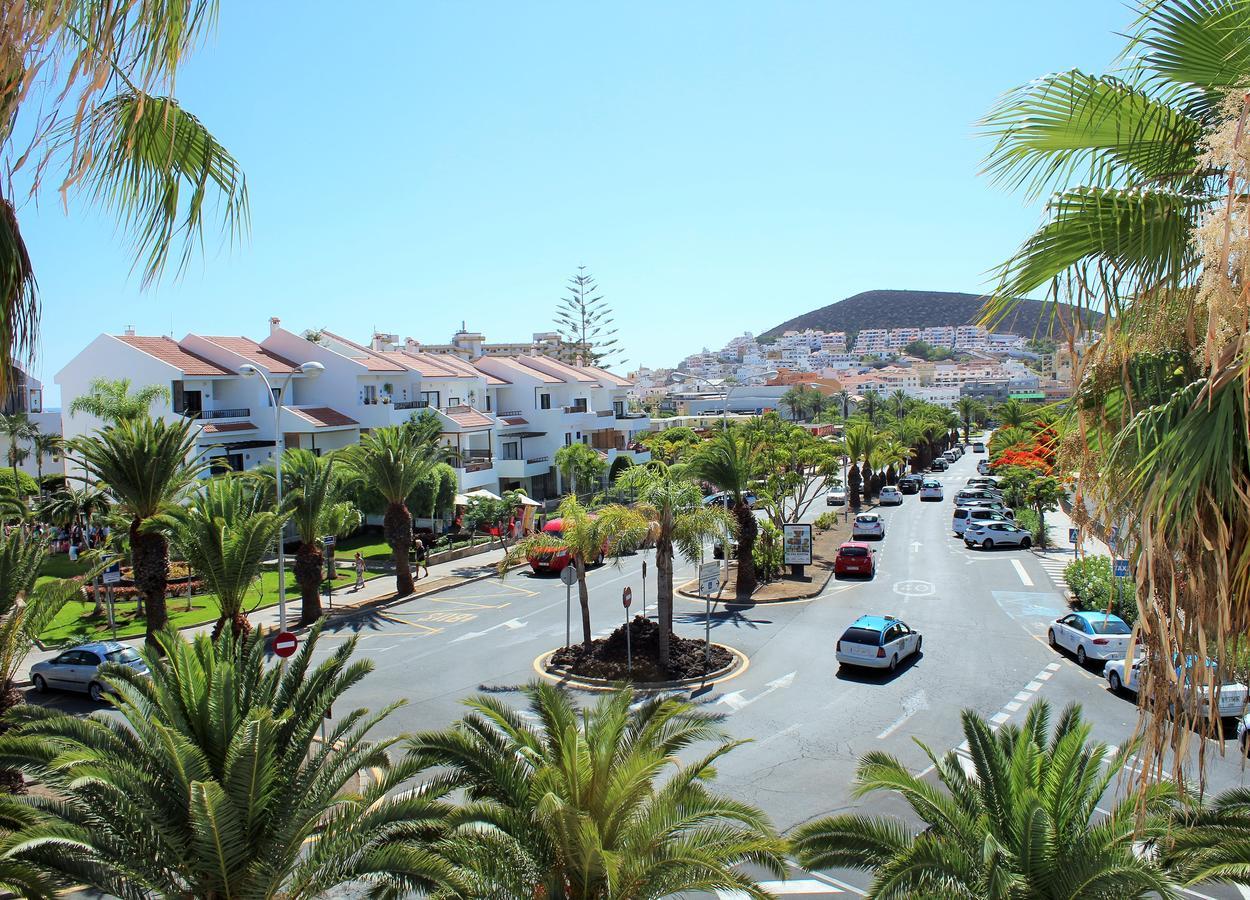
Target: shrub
(27, 483)
(1094, 588)
(769, 552)
(1028, 520)
(826, 521)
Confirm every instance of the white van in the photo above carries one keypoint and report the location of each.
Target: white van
(965, 514)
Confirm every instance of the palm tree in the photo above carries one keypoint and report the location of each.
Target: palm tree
(891, 456)
(673, 500)
(1014, 414)
(580, 466)
(392, 461)
(27, 607)
(968, 410)
(1043, 493)
(842, 399)
(795, 400)
(224, 534)
(215, 784)
(1206, 842)
(17, 428)
(148, 466)
(112, 401)
(588, 538)
(316, 497)
(858, 441)
(872, 406)
(1025, 823)
(897, 403)
(577, 805)
(730, 460)
(44, 444)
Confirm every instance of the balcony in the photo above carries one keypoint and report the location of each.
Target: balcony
(411, 404)
(241, 412)
(510, 414)
(632, 415)
(523, 468)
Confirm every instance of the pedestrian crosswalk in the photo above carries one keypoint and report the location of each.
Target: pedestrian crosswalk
(1054, 566)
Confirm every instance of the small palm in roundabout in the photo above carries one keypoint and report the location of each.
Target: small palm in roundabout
(1024, 824)
(565, 803)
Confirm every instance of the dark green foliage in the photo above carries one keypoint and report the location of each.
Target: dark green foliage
(1090, 579)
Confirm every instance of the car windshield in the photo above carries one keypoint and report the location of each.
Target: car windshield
(124, 655)
(1108, 626)
(853, 551)
(862, 636)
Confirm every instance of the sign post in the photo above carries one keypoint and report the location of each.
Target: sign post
(568, 576)
(112, 575)
(797, 543)
(709, 581)
(284, 644)
(627, 597)
(1119, 571)
(328, 542)
(644, 588)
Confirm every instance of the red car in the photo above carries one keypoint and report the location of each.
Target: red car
(553, 561)
(855, 558)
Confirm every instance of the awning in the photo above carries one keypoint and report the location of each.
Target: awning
(483, 494)
(526, 501)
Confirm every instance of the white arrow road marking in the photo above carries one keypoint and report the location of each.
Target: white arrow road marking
(736, 701)
(911, 705)
(915, 546)
(1024, 576)
(511, 625)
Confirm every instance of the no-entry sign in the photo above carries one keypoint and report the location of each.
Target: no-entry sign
(284, 644)
(627, 597)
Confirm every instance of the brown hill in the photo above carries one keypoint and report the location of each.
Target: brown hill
(921, 309)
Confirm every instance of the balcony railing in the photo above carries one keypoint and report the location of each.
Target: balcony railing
(411, 404)
(576, 409)
(241, 412)
(510, 413)
(631, 415)
(604, 413)
(533, 460)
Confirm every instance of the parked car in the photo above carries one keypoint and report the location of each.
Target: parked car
(836, 497)
(718, 549)
(965, 496)
(855, 558)
(931, 489)
(978, 447)
(1090, 635)
(553, 560)
(890, 496)
(868, 525)
(950, 456)
(877, 642)
(77, 669)
(724, 499)
(910, 484)
(966, 514)
(995, 505)
(983, 467)
(983, 481)
(939, 465)
(988, 535)
(1232, 694)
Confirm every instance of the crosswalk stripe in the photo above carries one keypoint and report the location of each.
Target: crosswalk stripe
(807, 886)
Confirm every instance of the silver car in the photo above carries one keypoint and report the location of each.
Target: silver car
(76, 669)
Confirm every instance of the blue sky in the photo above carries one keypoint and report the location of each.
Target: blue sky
(719, 167)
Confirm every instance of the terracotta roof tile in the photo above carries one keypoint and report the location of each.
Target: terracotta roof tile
(510, 362)
(435, 365)
(168, 351)
(373, 360)
(565, 372)
(254, 353)
(467, 417)
(323, 416)
(514, 420)
(609, 377)
(221, 427)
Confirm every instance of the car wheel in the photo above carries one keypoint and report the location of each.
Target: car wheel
(1026, 543)
(1050, 636)
(1081, 658)
(1114, 680)
(96, 692)
(894, 662)
(988, 545)
(919, 642)
(41, 686)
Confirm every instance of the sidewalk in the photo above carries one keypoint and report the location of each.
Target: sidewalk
(345, 601)
(1055, 560)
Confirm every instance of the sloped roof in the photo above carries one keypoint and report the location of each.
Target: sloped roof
(467, 417)
(323, 416)
(372, 360)
(514, 420)
(255, 354)
(510, 363)
(564, 371)
(168, 351)
(433, 365)
(609, 377)
(222, 427)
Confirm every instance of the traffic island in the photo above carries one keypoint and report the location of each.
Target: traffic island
(607, 661)
(788, 587)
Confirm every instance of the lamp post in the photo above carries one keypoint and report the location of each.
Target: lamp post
(312, 370)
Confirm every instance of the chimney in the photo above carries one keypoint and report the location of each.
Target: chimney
(130, 331)
(274, 324)
(412, 344)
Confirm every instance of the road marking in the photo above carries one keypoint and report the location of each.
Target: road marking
(1054, 667)
(911, 705)
(915, 546)
(797, 886)
(736, 701)
(1000, 717)
(1026, 695)
(1033, 686)
(1024, 576)
(1012, 706)
(1044, 676)
(511, 625)
(914, 588)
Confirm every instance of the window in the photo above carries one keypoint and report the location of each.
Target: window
(568, 439)
(862, 636)
(488, 402)
(370, 392)
(544, 401)
(453, 401)
(511, 450)
(579, 404)
(430, 398)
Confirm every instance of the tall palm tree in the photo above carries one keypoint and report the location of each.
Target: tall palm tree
(148, 466)
(673, 500)
(730, 460)
(967, 409)
(17, 429)
(112, 401)
(897, 403)
(44, 444)
(315, 495)
(891, 456)
(858, 442)
(392, 461)
(587, 538)
(1014, 414)
(1025, 823)
(1206, 841)
(596, 804)
(842, 399)
(224, 534)
(215, 784)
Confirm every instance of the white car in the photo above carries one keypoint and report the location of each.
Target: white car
(931, 489)
(1233, 694)
(1091, 635)
(868, 525)
(877, 642)
(836, 497)
(890, 496)
(988, 535)
(978, 447)
(967, 496)
(983, 467)
(973, 514)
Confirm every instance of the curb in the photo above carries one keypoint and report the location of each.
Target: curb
(741, 662)
(734, 601)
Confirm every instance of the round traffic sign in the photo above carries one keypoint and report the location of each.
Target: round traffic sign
(568, 576)
(627, 597)
(284, 644)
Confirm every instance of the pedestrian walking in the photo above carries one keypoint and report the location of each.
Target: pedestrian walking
(360, 571)
(422, 562)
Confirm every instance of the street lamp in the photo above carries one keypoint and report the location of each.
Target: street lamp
(725, 383)
(312, 370)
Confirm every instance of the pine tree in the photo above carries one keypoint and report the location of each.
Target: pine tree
(585, 322)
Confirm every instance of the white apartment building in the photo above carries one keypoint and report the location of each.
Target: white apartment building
(939, 336)
(833, 341)
(25, 396)
(502, 417)
(872, 340)
(901, 337)
(971, 337)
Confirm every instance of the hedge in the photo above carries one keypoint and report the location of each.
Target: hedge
(1094, 589)
(28, 485)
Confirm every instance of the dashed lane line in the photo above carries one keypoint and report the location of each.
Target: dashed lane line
(1024, 576)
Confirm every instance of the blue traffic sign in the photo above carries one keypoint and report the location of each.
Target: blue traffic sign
(1073, 536)
(1121, 568)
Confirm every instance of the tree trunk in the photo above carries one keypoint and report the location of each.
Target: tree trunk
(308, 563)
(664, 592)
(852, 486)
(583, 597)
(747, 530)
(865, 480)
(150, 553)
(397, 526)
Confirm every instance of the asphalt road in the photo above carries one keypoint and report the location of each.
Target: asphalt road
(983, 616)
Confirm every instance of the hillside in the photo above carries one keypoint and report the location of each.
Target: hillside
(901, 309)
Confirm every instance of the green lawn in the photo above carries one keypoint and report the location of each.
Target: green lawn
(75, 624)
(374, 547)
